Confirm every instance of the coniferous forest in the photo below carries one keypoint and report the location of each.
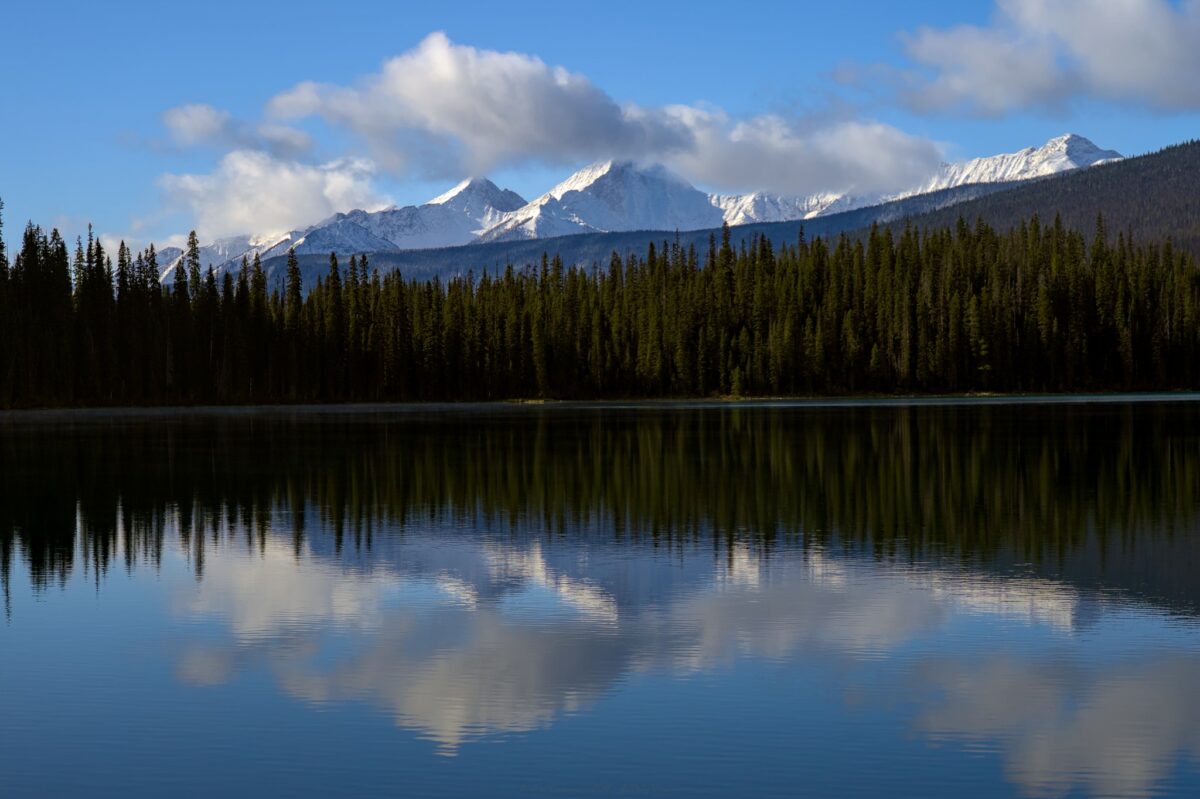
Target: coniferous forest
(1039, 308)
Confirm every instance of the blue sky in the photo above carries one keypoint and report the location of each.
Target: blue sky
(714, 91)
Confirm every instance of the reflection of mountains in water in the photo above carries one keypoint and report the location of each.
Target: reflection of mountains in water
(1096, 496)
(606, 581)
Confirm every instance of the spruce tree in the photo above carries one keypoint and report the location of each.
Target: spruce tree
(192, 264)
(294, 295)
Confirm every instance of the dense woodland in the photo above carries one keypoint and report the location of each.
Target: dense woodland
(1040, 308)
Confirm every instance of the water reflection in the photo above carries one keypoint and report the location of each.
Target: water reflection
(1016, 582)
(1066, 711)
(1114, 729)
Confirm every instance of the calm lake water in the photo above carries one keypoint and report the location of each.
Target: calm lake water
(859, 599)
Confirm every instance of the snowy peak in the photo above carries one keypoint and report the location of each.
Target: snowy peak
(1077, 151)
(611, 196)
(476, 197)
(743, 209)
(448, 220)
(614, 173)
(1060, 154)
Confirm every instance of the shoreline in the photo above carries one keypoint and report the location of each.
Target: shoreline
(530, 405)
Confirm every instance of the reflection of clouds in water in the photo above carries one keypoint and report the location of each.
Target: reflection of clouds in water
(505, 674)
(462, 667)
(1113, 732)
(786, 612)
(265, 592)
(495, 676)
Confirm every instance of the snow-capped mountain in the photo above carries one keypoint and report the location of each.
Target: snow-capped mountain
(223, 251)
(620, 195)
(743, 209)
(1060, 154)
(609, 196)
(613, 196)
(457, 217)
(481, 200)
(454, 218)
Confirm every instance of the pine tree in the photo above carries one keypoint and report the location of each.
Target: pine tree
(294, 295)
(192, 264)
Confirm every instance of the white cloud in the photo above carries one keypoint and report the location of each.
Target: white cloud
(1042, 53)
(202, 125)
(253, 191)
(769, 152)
(447, 110)
(196, 124)
(480, 109)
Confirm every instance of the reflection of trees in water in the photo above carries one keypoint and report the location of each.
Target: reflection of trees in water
(1037, 484)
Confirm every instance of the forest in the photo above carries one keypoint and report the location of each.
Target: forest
(961, 309)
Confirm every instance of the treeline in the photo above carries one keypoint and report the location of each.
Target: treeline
(964, 309)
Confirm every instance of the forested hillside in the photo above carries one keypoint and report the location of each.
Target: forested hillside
(965, 308)
(1156, 197)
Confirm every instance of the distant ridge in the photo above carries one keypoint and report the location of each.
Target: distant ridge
(597, 248)
(610, 197)
(1154, 196)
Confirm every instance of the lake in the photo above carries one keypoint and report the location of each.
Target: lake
(874, 598)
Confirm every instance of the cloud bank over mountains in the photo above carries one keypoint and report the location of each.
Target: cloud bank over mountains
(444, 111)
(275, 193)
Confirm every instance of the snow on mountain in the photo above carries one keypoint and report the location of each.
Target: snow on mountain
(336, 234)
(742, 209)
(613, 196)
(454, 218)
(167, 256)
(223, 251)
(1060, 154)
(609, 196)
(481, 200)
(619, 195)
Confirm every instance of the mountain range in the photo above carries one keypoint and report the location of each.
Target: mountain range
(612, 196)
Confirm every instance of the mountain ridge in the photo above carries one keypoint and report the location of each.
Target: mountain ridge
(1150, 196)
(613, 196)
